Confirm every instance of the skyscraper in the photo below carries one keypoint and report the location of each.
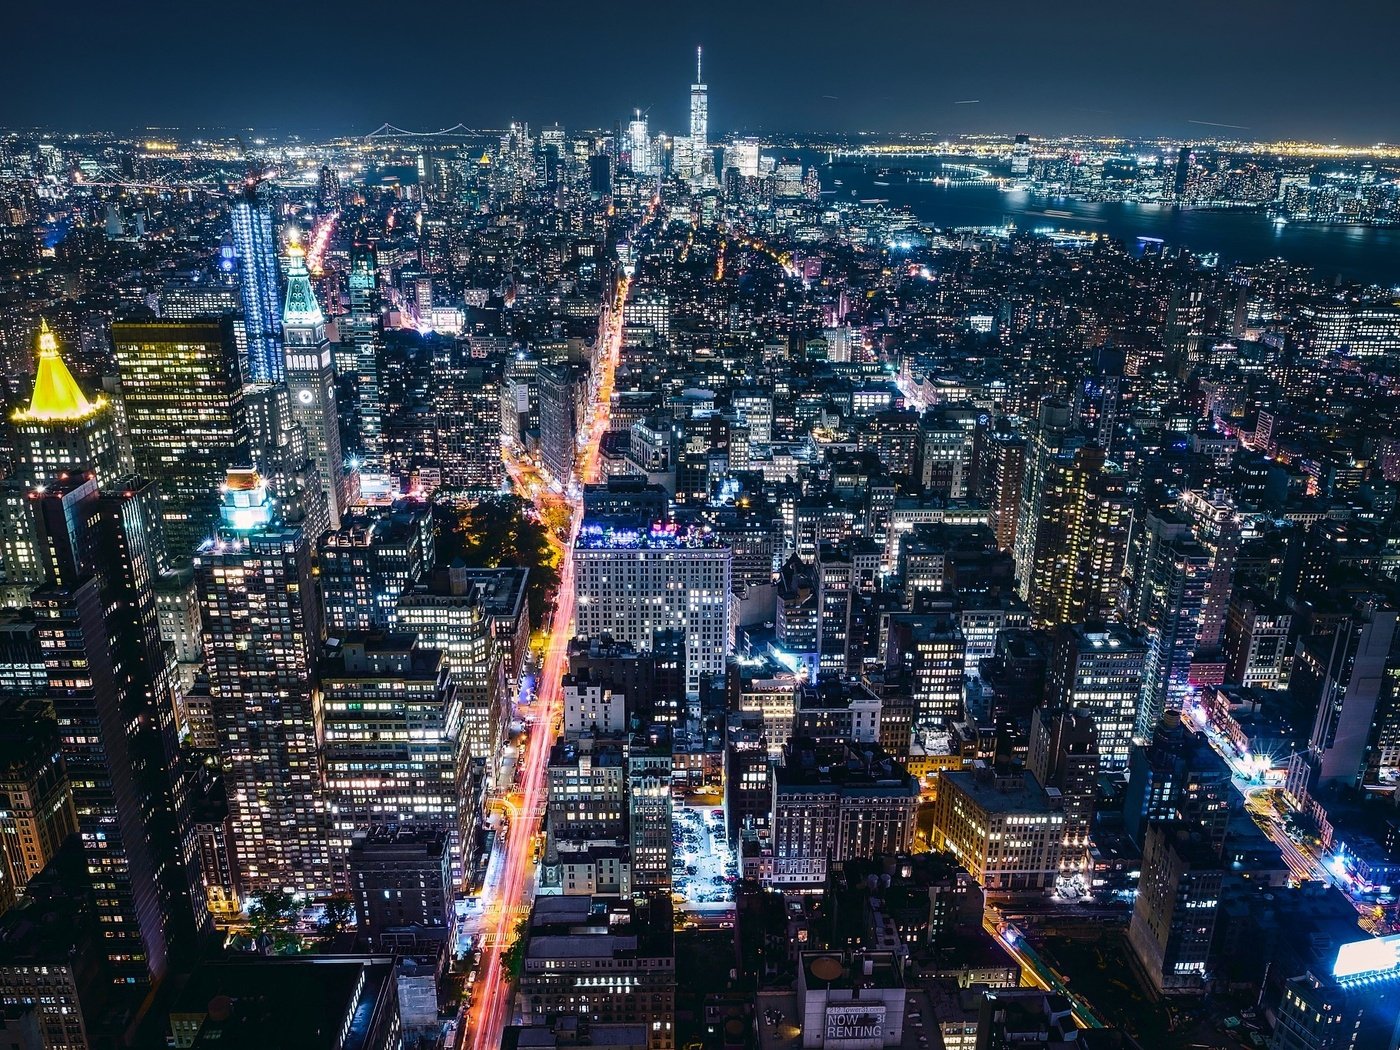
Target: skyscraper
(558, 421)
(1078, 536)
(395, 751)
(633, 583)
(255, 242)
(639, 145)
(701, 161)
(185, 413)
(1173, 578)
(360, 335)
(1098, 667)
(112, 692)
(281, 453)
(1045, 438)
(1346, 676)
(262, 630)
(63, 429)
(310, 376)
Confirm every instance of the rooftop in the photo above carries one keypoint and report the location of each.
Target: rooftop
(1017, 792)
(57, 398)
(308, 1002)
(659, 536)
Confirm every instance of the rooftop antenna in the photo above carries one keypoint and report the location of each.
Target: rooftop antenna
(697, 67)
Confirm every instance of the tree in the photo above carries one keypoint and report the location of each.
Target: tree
(272, 919)
(340, 912)
(512, 958)
(506, 531)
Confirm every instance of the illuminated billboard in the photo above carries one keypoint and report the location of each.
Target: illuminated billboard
(1372, 955)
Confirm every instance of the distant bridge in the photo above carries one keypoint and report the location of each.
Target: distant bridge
(457, 131)
(107, 178)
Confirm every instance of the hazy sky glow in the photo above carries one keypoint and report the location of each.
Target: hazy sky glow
(1275, 67)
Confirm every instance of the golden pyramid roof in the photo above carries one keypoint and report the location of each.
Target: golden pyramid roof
(57, 396)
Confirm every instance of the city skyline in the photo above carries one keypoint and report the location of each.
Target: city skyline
(649, 581)
(780, 68)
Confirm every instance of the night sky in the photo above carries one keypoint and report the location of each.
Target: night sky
(1134, 67)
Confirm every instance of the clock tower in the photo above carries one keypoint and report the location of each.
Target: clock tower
(311, 379)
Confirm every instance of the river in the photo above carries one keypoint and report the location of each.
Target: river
(1358, 253)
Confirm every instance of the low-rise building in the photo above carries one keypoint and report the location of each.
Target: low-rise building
(604, 961)
(837, 802)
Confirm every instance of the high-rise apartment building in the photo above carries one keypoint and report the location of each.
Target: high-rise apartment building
(835, 586)
(368, 563)
(1003, 464)
(1215, 526)
(183, 397)
(112, 693)
(1178, 778)
(262, 632)
(1171, 583)
(649, 809)
(449, 614)
(1064, 756)
(632, 583)
(1098, 667)
(931, 649)
(255, 243)
(1079, 536)
(1256, 641)
(467, 435)
(393, 747)
(1046, 436)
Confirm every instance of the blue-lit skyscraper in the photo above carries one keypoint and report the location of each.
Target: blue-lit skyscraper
(255, 241)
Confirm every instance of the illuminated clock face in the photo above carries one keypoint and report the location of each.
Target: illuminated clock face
(305, 397)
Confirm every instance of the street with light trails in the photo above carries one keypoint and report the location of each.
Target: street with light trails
(510, 883)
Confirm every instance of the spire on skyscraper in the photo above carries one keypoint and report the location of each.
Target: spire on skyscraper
(300, 307)
(698, 78)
